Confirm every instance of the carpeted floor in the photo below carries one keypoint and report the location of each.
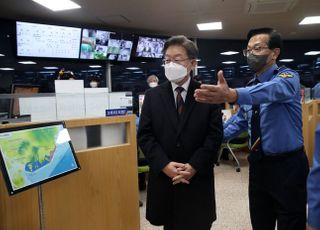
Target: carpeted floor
(231, 197)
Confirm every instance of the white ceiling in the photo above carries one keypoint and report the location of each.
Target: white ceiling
(171, 17)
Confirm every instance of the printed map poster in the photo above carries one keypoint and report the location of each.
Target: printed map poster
(34, 154)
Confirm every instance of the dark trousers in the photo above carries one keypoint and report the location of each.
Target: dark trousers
(172, 224)
(277, 192)
(172, 227)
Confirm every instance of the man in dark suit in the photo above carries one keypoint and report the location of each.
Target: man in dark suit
(180, 138)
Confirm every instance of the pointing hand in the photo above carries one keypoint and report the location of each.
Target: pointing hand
(216, 94)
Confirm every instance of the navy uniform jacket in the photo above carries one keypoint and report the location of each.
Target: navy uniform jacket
(314, 186)
(194, 139)
(278, 94)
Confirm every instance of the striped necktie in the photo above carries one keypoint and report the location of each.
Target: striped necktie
(179, 100)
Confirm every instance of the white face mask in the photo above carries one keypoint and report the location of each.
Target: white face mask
(93, 84)
(175, 72)
(153, 84)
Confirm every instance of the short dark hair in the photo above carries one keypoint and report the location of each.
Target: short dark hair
(181, 40)
(275, 40)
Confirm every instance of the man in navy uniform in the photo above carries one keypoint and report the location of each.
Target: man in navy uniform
(271, 111)
(314, 187)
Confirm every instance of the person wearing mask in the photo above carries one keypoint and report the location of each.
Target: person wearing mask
(152, 81)
(314, 187)
(180, 139)
(270, 109)
(94, 82)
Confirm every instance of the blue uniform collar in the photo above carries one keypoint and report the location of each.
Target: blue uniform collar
(268, 74)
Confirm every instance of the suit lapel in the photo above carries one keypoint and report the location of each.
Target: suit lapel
(169, 103)
(188, 106)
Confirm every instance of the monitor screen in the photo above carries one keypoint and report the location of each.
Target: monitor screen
(150, 47)
(31, 155)
(51, 41)
(104, 45)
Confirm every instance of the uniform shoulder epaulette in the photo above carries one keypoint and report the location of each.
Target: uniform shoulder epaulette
(285, 75)
(283, 72)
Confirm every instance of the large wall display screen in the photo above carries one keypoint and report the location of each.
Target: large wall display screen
(150, 47)
(104, 45)
(34, 154)
(42, 40)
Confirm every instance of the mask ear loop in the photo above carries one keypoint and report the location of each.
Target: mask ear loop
(193, 66)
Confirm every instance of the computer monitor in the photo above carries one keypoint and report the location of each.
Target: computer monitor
(150, 47)
(34, 154)
(49, 41)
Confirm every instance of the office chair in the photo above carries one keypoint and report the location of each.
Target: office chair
(143, 167)
(238, 142)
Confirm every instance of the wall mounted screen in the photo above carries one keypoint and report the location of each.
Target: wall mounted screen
(150, 47)
(104, 45)
(51, 41)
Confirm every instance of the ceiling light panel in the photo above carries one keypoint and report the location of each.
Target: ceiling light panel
(58, 5)
(210, 26)
(310, 20)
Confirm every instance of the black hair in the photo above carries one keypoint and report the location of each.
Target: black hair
(181, 40)
(275, 40)
(94, 78)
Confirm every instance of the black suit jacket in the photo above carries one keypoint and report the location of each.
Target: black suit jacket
(195, 138)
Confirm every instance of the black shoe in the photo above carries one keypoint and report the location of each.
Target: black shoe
(140, 203)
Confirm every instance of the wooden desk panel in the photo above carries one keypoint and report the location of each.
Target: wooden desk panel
(20, 211)
(310, 117)
(103, 193)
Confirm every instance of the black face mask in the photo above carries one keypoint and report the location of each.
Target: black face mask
(256, 62)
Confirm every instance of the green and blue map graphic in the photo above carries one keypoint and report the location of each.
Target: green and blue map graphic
(34, 155)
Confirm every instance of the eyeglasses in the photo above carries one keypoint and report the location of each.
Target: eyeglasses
(255, 50)
(177, 61)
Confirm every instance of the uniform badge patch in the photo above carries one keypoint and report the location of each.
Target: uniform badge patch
(285, 75)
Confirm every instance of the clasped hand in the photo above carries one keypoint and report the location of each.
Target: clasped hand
(179, 173)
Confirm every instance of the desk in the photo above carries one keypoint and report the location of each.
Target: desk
(103, 194)
(310, 118)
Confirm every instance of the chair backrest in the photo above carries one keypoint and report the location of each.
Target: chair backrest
(140, 154)
(240, 141)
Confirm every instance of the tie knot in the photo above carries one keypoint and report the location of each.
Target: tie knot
(179, 89)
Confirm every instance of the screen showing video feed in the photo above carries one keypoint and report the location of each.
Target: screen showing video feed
(104, 45)
(150, 47)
